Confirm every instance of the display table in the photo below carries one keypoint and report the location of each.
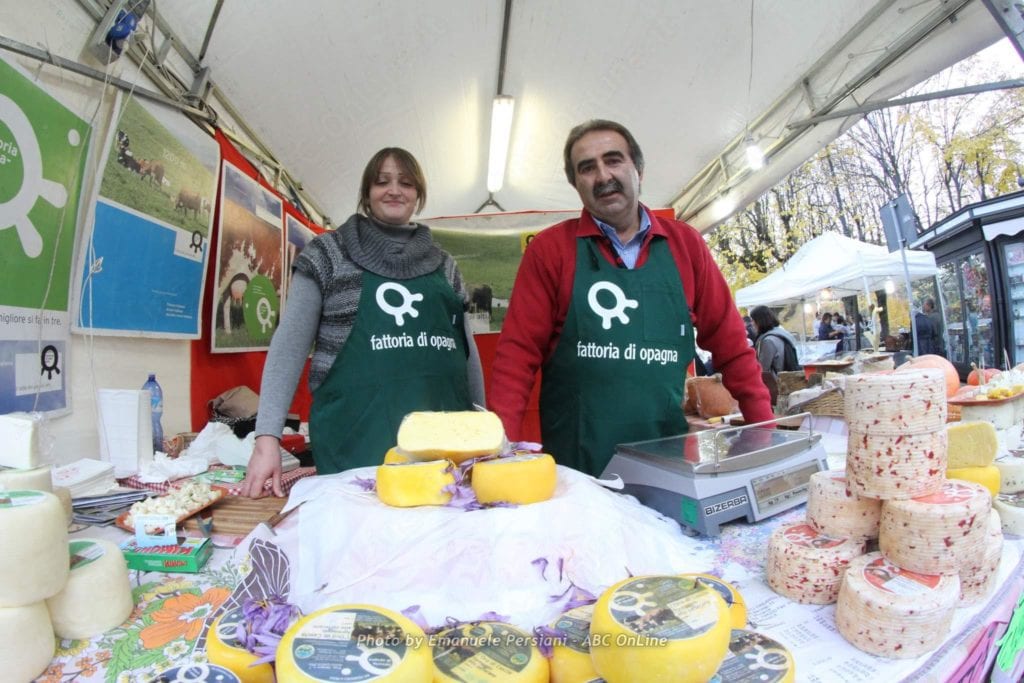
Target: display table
(171, 608)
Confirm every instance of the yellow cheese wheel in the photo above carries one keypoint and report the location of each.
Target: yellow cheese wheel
(971, 444)
(358, 642)
(986, 476)
(455, 436)
(488, 651)
(570, 653)
(409, 484)
(732, 597)
(519, 479)
(224, 649)
(671, 628)
(395, 457)
(756, 657)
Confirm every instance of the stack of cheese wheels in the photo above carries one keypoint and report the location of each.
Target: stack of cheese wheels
(806, 566)
(1011, 511)
(360, 642)
(26, 479)
(487, 651)
(1011, 473)
(834, 510)
(570, 652)
(33, 567)
(753, 656)
(937, 533)
(410, 484)
(670, 628)
(455, 436)
(897, 433)
(517, 479)
(224, 649)
(891, 612)
(98, 594)
(971, 450)
(737, 605)
(978, 574)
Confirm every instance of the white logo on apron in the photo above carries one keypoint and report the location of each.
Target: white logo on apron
(622, 302)
(399, 312)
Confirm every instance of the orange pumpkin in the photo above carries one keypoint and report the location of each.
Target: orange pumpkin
(931, 360)
(976, 375)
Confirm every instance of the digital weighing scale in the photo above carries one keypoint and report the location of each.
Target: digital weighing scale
(704, 479)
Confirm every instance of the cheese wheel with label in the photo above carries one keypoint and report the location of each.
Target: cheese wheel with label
(455, 436)
(35, 479)
(98, 594)
(834, 510)
(359, 642)
(1011, 512)
(971, 444)
(488, 651)
(34, 563)
(410, 484)
(733, 599)
(986, 476)
(518, 479)
(671, 628)
(224, 649)
(938, 533)
(27, 644)
(570, 653)
(978, 576)
(806, 566)
(753, 657)
(892, 612)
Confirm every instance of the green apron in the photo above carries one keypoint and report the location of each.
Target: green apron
(406, 352)
(618, 371)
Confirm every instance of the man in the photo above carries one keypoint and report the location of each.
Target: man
(925, 333)
(938, 341)
(607, 306)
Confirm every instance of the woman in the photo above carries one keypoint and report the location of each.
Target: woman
(384, 304)
(771, 341)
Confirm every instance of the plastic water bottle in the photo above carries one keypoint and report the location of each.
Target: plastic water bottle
(156, 395)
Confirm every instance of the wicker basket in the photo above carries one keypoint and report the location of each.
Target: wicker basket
(828, 404)
(952, 413)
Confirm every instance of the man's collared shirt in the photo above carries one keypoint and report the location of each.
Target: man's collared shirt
(631, 250)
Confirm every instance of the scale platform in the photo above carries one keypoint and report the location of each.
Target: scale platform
(705, 479)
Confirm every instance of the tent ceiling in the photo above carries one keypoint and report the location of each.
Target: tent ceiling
(326, 83)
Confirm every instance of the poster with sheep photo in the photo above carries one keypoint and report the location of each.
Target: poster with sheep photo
(247, 301)
(143, 262)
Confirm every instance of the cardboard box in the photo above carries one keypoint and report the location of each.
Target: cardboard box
(189, 555)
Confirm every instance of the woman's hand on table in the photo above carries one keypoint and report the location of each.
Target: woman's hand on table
(264, 464)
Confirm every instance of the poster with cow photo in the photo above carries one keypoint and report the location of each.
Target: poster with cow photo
(247, 301)
(143, 260)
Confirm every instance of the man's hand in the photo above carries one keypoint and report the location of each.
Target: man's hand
(264, 464)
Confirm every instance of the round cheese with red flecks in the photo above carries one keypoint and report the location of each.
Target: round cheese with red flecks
(938, 533)
(807, 566)
(891, 612)
(834, 510)
(895, 467)
(896, 404)
(979, 574)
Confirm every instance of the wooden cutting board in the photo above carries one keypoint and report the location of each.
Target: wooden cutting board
(238, 515)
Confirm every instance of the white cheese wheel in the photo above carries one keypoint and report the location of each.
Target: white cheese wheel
(937, 533)
(27, 644)
(518, 479)
(224, 649)
(1009, 439)
(902, 403)
(570, 652)
(753, 657)
(455, 436)
(1011, 511)
(892, 612)
(986, 476)
(34, 564)
(1001, 415)
(737, 605)
(64, 496)
(671, 628)
(1011, 474)
(978, 576)
(360, 642)
(971, 444)
(834, 510)
(488, 651)
(806, 566)
(891, 467)
(19, 434)
(409, 484)
(98, 594)
(34, 479)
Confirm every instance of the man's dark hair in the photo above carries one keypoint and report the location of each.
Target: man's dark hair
(600, 124)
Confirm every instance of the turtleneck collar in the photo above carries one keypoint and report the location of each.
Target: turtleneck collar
(393, 251)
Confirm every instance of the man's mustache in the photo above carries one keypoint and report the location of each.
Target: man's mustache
(601, 189)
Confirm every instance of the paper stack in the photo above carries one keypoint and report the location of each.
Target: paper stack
(85, 477)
